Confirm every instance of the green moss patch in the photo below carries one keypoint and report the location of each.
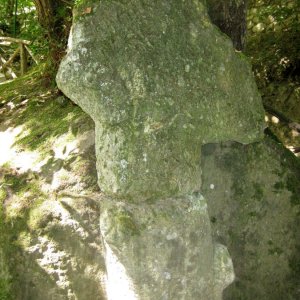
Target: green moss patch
(46, 121)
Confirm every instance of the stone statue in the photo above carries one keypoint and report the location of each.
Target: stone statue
(159, 80)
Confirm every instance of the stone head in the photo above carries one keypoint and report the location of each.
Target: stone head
(159, 80)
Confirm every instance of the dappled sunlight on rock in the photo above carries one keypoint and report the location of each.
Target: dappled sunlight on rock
(224, 271)
(295, 133)
(275, 120)
(14, 208)
(59, 180)
(52, 241)
(11, 105)
(55, 168)
(117, 277)
(64, 243)
(52, 259)
(25, 161)
(66, 151)
(87, 140)
(64, 146)
(7, 139)
(15, 156)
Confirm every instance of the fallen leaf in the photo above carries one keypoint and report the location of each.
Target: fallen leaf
(88, 10)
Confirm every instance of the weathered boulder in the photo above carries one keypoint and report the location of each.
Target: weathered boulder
(253, 196)
(55, 254)
(159, 80)
(163, 250)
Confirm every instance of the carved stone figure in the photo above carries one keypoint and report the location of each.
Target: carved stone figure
(159, 80)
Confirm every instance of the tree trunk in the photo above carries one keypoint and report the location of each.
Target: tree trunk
(55, 17)
(10, 9)
(10, 15)
(230, 17)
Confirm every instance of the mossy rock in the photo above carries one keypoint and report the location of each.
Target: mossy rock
(253, 194)
(159, 80)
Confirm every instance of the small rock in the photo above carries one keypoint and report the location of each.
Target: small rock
(62, 101)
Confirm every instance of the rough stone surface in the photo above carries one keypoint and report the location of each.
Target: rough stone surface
(60, 255)
(253, 195)
(159, 80)
(162, 250)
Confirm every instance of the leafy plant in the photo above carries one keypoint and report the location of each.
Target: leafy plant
(274, 39)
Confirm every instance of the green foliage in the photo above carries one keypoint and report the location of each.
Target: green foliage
(27, 26)
(4, 289)
(78, 2)
(274, 39)
(53, 119)
(30, 29)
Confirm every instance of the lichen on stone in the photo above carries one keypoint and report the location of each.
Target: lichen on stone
(157, 78)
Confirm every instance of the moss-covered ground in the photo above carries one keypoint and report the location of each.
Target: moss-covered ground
(44, 151)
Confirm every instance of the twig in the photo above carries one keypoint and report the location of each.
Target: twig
(11, 59)
(32, 55)
(9, 70)
(10, 39)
